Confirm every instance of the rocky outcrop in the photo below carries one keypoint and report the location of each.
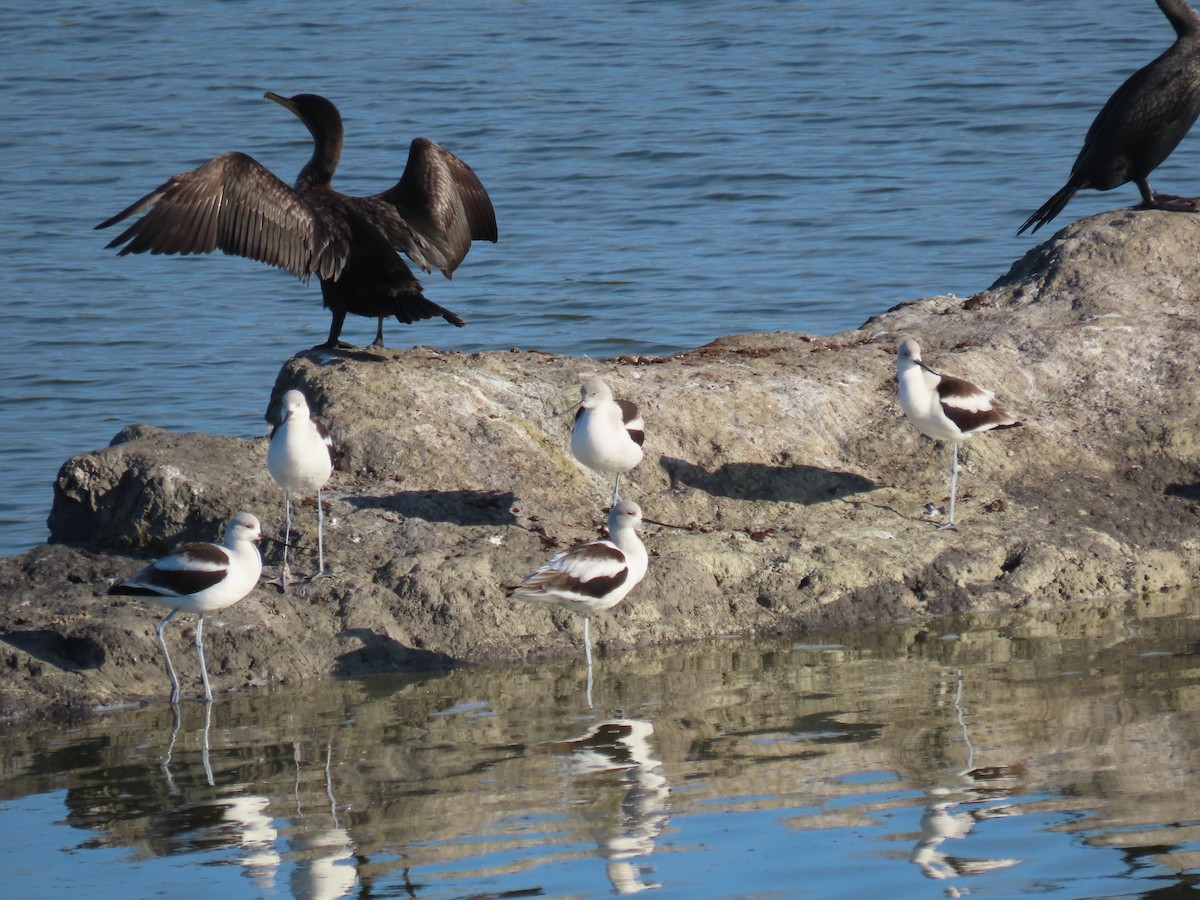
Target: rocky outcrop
(785, 457)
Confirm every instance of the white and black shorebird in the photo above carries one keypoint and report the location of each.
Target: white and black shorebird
(200, 578)
(945, 408)
(300, 462)
(595, 576)
(608, 434)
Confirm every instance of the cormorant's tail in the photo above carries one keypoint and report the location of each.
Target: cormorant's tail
(413, 308)
(1051, 207)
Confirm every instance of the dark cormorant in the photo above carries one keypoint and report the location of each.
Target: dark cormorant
(1141, 124)
(234, 203)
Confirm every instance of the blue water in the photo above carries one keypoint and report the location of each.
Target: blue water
(663, 174)
(1014, 755)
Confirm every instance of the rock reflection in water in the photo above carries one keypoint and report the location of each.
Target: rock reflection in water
(996, 754)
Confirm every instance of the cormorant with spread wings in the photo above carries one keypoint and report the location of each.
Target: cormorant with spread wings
(235, 204)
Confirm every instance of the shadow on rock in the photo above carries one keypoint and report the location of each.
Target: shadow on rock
(74, 653)
(454, 507)
(1184, 491)
(758, 481)
(380, 653)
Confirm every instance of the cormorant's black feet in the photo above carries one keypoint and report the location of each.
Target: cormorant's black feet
(335, 345)
(1172, 203)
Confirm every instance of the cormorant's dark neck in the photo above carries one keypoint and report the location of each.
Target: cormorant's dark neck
(327, 152)
(1183, 18)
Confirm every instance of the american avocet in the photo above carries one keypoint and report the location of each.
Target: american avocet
(235, 204)
(299, 460)
(595, 576)
(1141, 124)
(945, 408)
(200, 579)
(608, 434)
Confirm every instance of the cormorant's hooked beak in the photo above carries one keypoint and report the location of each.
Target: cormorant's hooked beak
(285, 102)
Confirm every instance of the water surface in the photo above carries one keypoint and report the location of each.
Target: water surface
(1049, 754)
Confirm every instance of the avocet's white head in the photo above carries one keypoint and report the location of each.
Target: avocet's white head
(908, 355)
(243, 527)
(295, 406)
(594, 393)
(625, 514)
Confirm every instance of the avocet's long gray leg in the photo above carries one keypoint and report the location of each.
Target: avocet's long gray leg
(285, 576)
(949, 524)
(165, 765)
(167, 656)
(320, 535)
(200, 653)
(321, 573)
(587, 649)
(204, 758)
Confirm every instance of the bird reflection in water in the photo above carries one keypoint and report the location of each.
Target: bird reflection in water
(319, 845)
(952, 811)
(176, 719)
(621, 748)
(245, 822)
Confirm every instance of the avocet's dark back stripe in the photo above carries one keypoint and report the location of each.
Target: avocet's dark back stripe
(131, 590)
(629, 413)
(167, 582)
(950, 388)
(595, 588)
(205, 554)
(598, 551)
(324, 433)
(970, 421)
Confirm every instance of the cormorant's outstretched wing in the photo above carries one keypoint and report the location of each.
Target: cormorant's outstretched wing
(235, 204)
(444, 204)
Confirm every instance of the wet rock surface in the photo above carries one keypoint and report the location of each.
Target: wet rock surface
(785, 457)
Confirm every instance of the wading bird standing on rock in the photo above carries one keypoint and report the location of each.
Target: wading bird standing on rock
(945, 408)
(299, 460)
(235, 204)
(595, 576)
(608, 434)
